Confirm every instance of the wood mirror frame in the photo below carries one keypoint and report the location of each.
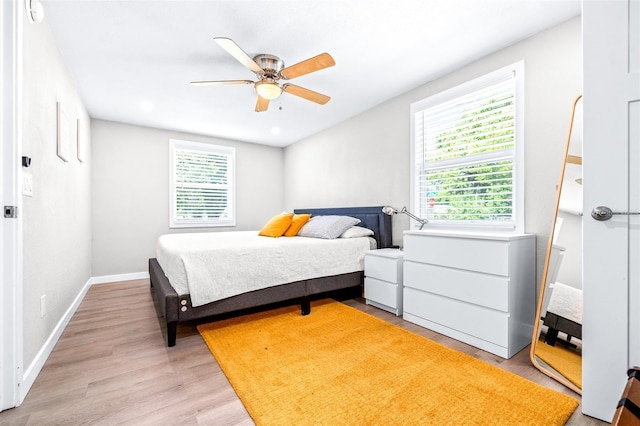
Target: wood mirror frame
(568, 158)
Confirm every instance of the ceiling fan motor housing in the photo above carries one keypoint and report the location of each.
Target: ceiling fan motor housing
(271, 65)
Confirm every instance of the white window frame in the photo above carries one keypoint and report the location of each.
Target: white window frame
(176, 145)
(516, 71)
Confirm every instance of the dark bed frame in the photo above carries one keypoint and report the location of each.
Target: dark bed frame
(177, 308)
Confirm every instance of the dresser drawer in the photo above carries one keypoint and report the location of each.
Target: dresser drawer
(382, 292)
(383, 268)
(482, 323)
(479, 289)
(480, 255)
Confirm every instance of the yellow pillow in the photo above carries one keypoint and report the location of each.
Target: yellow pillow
(276, 225)
(296, 223)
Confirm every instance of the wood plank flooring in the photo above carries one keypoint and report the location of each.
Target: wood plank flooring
(112, 366)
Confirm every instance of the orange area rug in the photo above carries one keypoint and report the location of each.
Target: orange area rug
(566, 361)
(341, 366)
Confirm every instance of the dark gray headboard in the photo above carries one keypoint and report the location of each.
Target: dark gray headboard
(370, 217)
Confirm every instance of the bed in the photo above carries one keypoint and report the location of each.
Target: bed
(564, 313)
(177, 308)
(561, 309)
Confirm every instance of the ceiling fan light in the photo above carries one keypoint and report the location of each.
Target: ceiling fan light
(268, 89)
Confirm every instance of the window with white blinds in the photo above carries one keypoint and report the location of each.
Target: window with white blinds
(467, 151)
(202, 190)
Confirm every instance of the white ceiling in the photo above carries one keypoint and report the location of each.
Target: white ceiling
(133, 60)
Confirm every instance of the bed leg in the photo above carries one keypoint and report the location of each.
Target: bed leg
(172, 331)
(305, 305)
(552, 336)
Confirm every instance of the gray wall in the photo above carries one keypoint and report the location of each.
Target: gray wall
(365, 160)
(130, 192)
(57, 218)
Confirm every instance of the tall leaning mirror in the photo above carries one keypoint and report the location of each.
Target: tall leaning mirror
(556, 347)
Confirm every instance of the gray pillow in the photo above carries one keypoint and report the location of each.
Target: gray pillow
(327, 227)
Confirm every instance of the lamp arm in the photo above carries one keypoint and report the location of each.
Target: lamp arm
(421, 221)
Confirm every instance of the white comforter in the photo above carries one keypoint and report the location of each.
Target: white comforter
(215, 265)
(566, 302)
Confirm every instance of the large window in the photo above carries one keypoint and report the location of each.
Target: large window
(467, 162)
(201, 184)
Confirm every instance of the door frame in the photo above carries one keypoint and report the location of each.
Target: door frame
(11, 309)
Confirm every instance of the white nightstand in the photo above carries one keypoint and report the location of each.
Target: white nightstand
(383, 279)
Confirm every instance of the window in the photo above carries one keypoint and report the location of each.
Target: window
(202, 191)
(467, 154)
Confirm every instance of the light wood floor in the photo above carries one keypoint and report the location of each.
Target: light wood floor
(111, 366)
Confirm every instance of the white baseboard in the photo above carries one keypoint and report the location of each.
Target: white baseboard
(32, 372)
(119, 277)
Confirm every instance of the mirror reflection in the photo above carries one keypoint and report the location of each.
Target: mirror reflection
(557, 338)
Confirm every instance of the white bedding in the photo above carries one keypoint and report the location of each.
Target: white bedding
(215, 265)
(566, 302)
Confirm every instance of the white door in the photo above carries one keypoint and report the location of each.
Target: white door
(611, 57)
(11, 15)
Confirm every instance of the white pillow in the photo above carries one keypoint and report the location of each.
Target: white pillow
(356, 231)
(327, 227)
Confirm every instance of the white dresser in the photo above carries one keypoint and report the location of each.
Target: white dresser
(383, 279)
(476, 288)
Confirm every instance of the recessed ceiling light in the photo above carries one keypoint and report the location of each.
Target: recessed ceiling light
(146, 106)
(275, 131)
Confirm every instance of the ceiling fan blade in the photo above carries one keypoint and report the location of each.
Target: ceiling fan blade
(323, 60)
(262, 104)
(234, 50)
(220, 82)
(307, 94)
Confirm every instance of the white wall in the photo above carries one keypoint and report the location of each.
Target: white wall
(365, 160)
(570, 237)
(57, 218)
(130, 192)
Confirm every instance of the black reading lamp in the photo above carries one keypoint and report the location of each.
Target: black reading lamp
(391, 211)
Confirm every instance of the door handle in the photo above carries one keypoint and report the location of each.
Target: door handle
(605, 213)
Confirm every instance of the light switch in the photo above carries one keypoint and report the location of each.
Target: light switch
(27, 184)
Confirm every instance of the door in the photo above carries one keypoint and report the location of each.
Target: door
(611, 58)
(11, 15)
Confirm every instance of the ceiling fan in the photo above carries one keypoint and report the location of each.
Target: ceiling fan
(270, 70)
